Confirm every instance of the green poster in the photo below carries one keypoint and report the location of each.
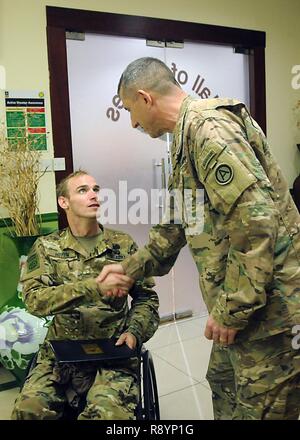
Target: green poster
(36, 119)
(25, 118)
(16, 132)
(38, 141)
(15, 119)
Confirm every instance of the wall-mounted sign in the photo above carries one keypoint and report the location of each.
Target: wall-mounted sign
(25, 116)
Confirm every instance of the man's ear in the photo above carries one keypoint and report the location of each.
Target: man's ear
(63, 202)
(147, 97)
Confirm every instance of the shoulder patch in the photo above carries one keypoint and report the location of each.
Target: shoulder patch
(33, 262)
(225, 178)
(224, 173)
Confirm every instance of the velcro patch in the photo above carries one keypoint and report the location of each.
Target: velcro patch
(207, 159)
(33, 262)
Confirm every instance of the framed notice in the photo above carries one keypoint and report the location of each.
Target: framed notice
(25, 116)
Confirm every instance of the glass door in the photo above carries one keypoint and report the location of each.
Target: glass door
(127, 164)
(130, 166)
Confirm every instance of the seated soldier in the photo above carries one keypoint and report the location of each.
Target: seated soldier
(60, 280)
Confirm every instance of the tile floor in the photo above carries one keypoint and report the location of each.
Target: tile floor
(180, 353)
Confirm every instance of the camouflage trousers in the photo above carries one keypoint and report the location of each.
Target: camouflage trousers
(256, 380)
(113, 395)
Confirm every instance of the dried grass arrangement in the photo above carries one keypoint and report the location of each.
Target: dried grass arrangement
(20, 173)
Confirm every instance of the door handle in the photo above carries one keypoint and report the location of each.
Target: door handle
(163, 172)
(163, 180)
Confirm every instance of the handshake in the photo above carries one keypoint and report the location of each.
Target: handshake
(112, 281)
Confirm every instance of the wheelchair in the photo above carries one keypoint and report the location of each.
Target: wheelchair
(148, 405)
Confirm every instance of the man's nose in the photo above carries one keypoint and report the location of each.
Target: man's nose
(93, 194)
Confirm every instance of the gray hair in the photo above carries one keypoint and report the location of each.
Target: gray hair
(148, 74)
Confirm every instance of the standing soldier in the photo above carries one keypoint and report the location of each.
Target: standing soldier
(60, 280)
(248, 253)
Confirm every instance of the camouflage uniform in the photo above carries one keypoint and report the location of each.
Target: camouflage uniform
(60, 280)
(247, 256)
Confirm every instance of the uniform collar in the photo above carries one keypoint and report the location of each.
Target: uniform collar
(179, 127)
(184, 105)
(202, 105)
(104, 243)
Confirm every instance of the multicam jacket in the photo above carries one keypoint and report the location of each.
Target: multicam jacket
(246, 244)
(59, 280)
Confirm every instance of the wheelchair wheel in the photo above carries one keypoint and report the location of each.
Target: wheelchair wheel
(149, 395)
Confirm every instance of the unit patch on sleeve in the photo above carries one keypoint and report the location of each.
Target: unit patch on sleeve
(33, 262)
(224, 174)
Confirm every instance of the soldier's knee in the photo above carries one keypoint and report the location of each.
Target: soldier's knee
(32, 408)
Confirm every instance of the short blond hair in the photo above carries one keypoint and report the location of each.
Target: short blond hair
(62, 189)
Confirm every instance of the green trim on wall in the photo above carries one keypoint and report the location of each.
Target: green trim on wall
(47, 217)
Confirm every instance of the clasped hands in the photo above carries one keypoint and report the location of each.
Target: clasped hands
(113, 282)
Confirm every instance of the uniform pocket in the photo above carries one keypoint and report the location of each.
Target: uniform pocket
(66, 267)
(263, 364)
